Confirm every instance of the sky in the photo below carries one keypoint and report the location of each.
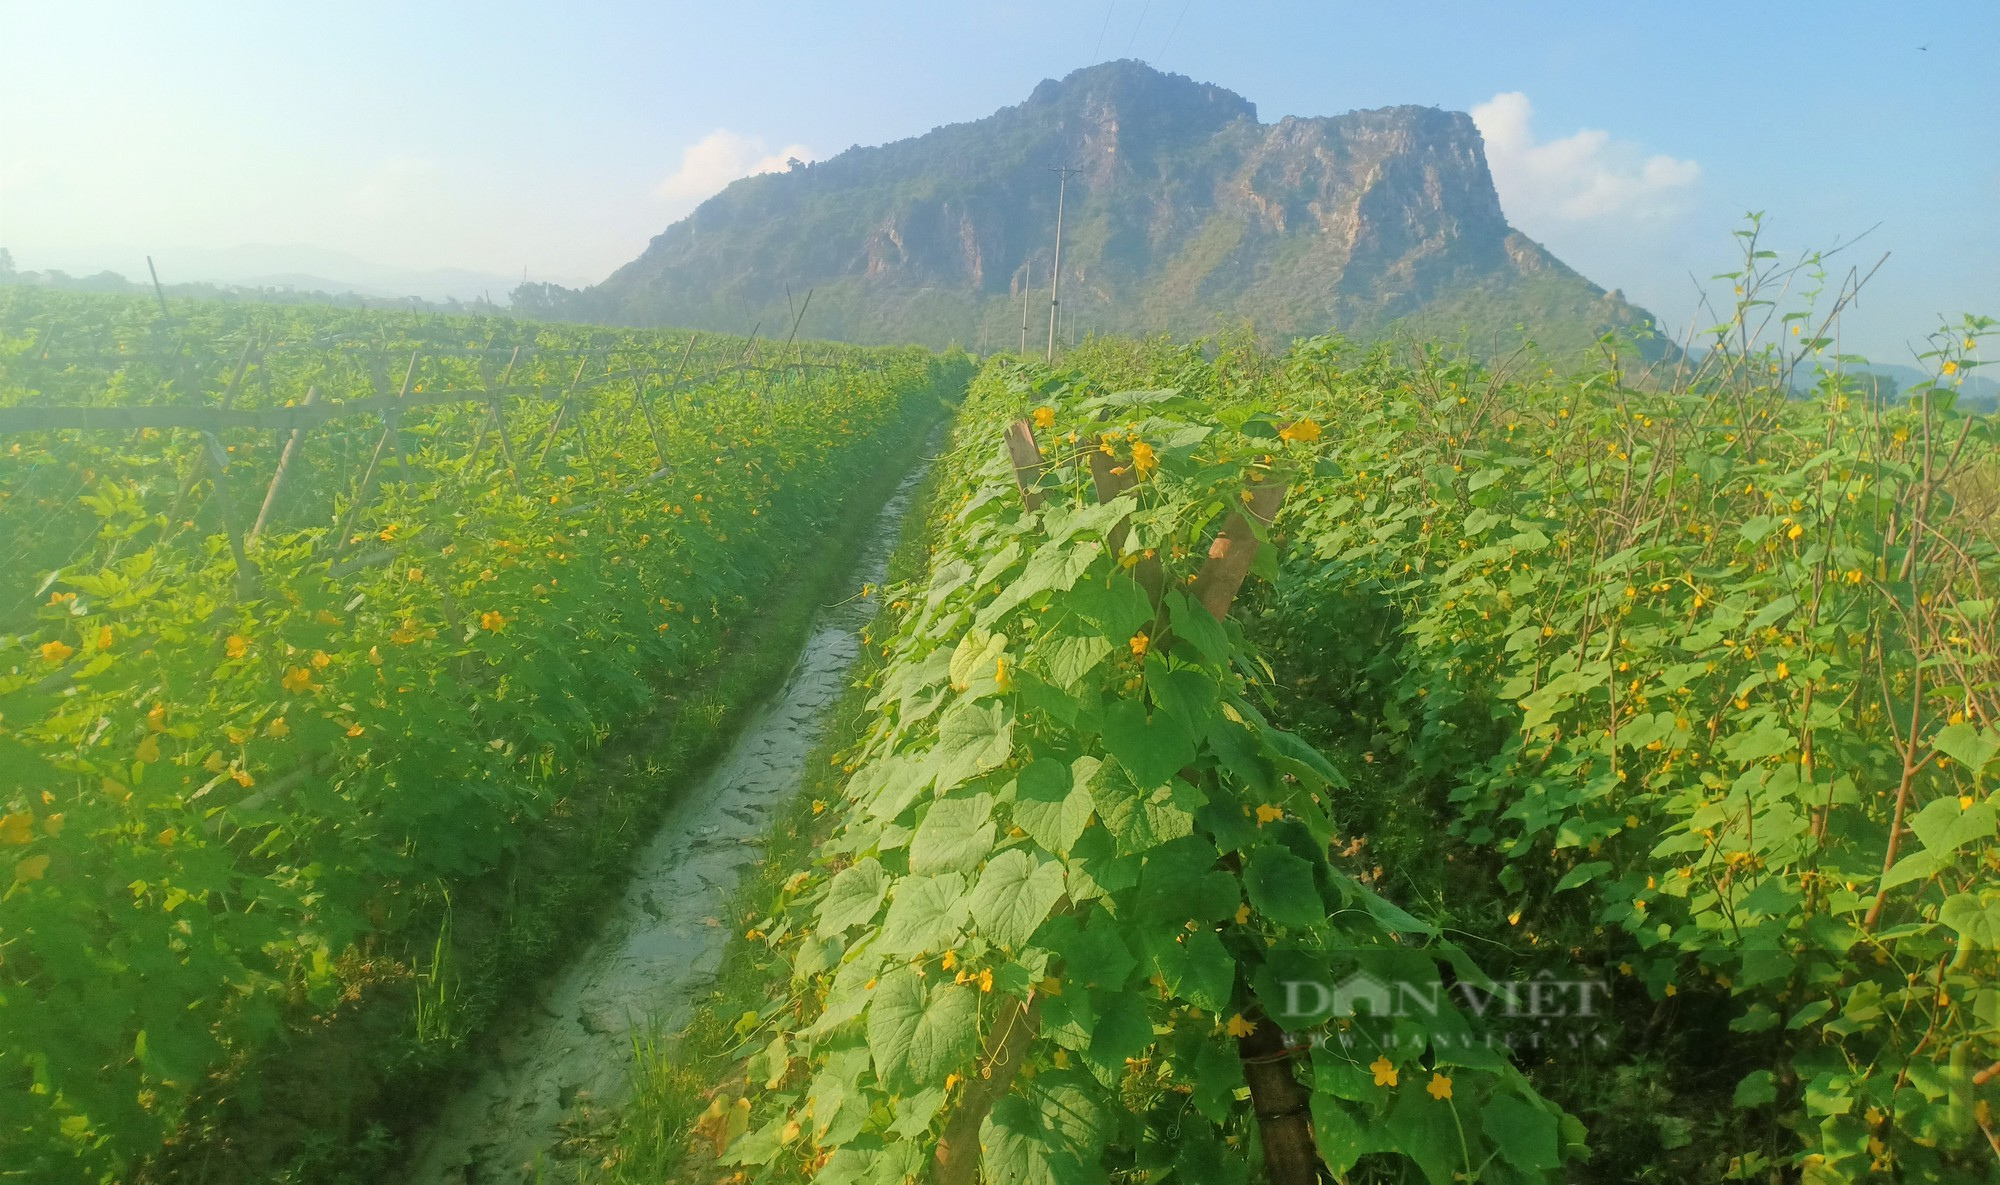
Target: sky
(553, 141)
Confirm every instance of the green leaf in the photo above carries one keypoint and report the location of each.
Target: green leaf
(1975, 918)
(1052, 804)
(925, 915)
(1066, 659)
(1757, 1088)
(1524, 1133)
(1281, 887)
(917, 1035)
(1970, 746)
(1582, 874)
(1198, 968)
(1137, 819)
(1014, 894)
(1944, 826)
(1123, 1031)
(1151, 749)
(956, 834)
(972, 738)
(854, 896)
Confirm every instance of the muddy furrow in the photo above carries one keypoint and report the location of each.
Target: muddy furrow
(659, 950)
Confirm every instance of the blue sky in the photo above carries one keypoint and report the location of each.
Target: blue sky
(505, 136)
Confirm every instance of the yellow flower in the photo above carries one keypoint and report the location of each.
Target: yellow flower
(149, 749)
(491, 620)
(416, 575)
(321, 660)
(1950, 367)
(1673, 990)
(1440, 1087)
(1143, 459)
(1001, 675)
(297, 679)
(53, 653)
(1303, 431)
(949, 961)
(375, 655)
(104, 638)
(951, 1080)
(986, 980)
(53, 825)
(17, 828)
(1045, 417)
(279, 728)
(30, 869)
(354, 730)
(236, 646)
(156, 718)
(1243, 914)
(819, 806)
(1784, 671)
(1385, 1071)
(1139, 643)
(1238, 1027)
(1268, 813)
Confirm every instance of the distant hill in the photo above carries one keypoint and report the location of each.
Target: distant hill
(1186, 213)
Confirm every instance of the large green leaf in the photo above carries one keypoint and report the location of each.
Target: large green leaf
(1014, 894)
(956, 834)
(972, 738)
(925, 915)
(917, 1034)
(854, 896)
(1281, 887)
(1151, 748)
(1052, 804)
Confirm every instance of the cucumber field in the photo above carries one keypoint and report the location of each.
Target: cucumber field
(1344, 759)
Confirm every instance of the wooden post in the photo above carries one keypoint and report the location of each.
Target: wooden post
(652, 425)
(367, 487)
(1148, 571)
(1234, 548)
(562, 411)
(1027, 458)
(285, 460)
(1283, 1107)
(957, 1158)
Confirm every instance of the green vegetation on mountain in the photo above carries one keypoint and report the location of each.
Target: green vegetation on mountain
(1185, 214)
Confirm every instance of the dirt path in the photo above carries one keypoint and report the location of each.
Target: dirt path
(659, 949)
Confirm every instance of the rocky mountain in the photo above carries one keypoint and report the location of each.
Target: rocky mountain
(1184, 214)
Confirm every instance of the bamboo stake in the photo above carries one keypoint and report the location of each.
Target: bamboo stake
(285, 460)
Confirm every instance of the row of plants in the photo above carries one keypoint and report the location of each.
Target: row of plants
(1684, 678)
(228, 779)
(1075, 878)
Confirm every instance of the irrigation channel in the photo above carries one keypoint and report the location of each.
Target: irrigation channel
(659, 949)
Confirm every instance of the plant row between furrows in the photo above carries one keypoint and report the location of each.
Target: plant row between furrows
(1692, 685)
(231, 770)
(1076, 870)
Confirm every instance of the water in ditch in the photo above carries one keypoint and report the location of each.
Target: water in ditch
(659, 949)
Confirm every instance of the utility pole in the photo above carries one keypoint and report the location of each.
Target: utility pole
(1027, 273)
(1055, 275)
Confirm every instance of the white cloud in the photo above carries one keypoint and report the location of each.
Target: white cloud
(720, 157)
(1583, 178)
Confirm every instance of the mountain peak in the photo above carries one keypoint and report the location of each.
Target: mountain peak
(1131, 84)
(1185, 212)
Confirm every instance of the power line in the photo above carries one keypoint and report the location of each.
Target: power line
(1185, 5)
(1099, 48)
(1135, 28)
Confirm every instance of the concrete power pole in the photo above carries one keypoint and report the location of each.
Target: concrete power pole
(1055, 274)
(1027, 273)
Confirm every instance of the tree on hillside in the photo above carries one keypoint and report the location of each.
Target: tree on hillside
(6, 264)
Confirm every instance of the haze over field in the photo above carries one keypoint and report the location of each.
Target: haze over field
(500, 142)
